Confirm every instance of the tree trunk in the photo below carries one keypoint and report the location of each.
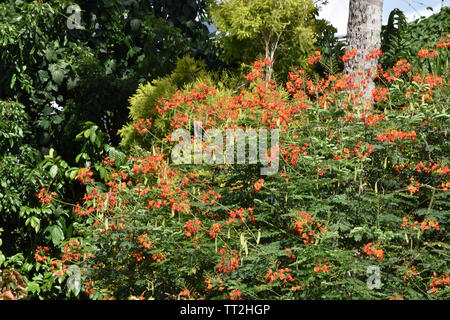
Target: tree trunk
(364, 35)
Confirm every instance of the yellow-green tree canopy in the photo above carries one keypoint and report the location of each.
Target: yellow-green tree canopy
(272, 26)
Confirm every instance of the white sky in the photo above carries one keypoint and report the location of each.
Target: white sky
(336, 11)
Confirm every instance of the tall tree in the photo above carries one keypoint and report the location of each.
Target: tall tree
(273, 28)
(364, 35)
(68, 65)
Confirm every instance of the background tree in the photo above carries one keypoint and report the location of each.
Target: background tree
(364, 35)
(68, 76)
(268, 27)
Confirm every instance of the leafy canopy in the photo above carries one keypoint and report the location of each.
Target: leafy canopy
(267, 26)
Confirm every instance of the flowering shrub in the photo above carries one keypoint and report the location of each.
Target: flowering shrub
(352, 179)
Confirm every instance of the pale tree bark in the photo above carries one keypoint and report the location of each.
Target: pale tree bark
(364, 35)
(271, 45)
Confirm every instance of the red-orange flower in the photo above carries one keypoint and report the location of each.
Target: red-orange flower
(369, 249)
(215, 230)
(235, 295)
(84, 176)
(349, 55)
(375, 54)
(44, 196)
(315, 58)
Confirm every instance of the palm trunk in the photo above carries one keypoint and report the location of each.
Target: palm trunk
(364, 35)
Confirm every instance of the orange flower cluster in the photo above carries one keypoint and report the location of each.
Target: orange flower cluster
(109, 162)
(433, 80)
(198, 94)
(282, 274)
(413, 187)
(210, 283)
(210, 196)
(230, 262)
(88, 284)
(256, 71)
(393, 135)
(184, 293)
(424, 225)
(380, 94)
(70, 251)
(430, 168)
(369, 249)
(59, 268)
(426, 168)
(345, 156)
(91, 196)
(158, 257)
(235, 295)
(215, 230)
(315, 58)
(445, 186)
(179, 120)
(102, 201)
(304, 227)
(345, 83)
(143, 125)
(84, 176)
(296, 288)
(442, 281)
(372, 119)
(349, 55)
(320, 170)
(323, 268)
(44, 196)
(82, 211)
(443, 44)
(292, 152)
(383, 74)
(40, 253)
(295, 83)
(171, 194)
(238, 213)
(191, 228)
(112, 226)
(140, 256)
(142, 241)
(258, 184)
(375, 54)
(425, 53)
(401, 67)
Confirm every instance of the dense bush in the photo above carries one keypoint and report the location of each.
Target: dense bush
(358, 187)
(68, 75)
(33, 212)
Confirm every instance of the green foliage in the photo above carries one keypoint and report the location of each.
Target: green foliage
(402, 40)
(271, 29)
(330, 48)
(32, 210)
(356, 188)
(143, 102)
(119, 45)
